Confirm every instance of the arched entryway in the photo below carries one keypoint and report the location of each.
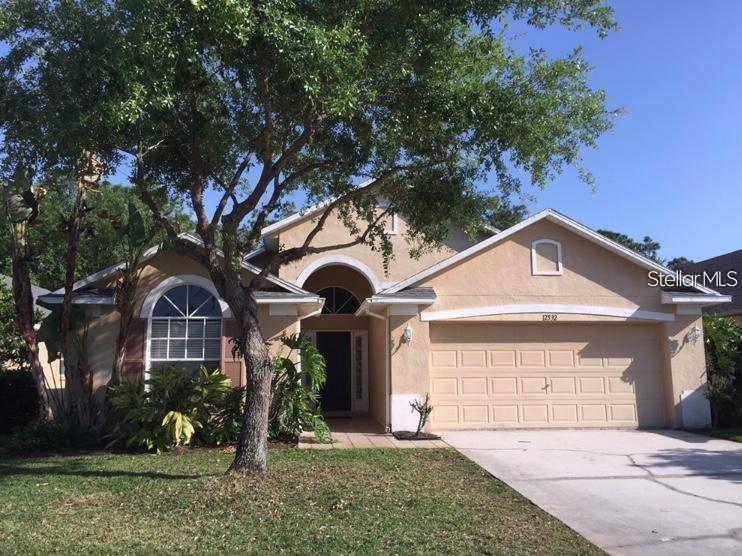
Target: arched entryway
(342, 338)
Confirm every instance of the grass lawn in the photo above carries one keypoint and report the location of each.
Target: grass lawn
(312, 501)
(727, 434)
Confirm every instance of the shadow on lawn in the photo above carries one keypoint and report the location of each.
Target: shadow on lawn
(75, 470)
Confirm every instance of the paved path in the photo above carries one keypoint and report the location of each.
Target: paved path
(629, 492)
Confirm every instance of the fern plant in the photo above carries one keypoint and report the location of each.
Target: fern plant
(296, 388)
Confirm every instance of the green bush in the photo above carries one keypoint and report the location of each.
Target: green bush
(49, 436)
(295, 391)
(724, 369)
(13, 354)
(19, 402)
(174, 408)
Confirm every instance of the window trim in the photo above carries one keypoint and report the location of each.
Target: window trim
(534, 257)
(352, 295)
(161, 289)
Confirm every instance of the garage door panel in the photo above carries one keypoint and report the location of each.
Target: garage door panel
(561, 358)
(503, 358)
(473, 358)
(539, 376)
(476, 386)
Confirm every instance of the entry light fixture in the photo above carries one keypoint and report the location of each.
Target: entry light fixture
(694, 335)
(407, 335)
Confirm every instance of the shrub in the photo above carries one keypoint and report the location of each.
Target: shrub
(295, 391)
(174, 409)
(724, 369)
(13, 353)
(19, 402)
(49, 436)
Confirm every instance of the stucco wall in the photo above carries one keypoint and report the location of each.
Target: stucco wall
(501, 275)
(335, 232)
(103, 327)
(685, 373)
(377, 362)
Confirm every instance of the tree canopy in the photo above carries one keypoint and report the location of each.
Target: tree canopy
(261, 103)
(102, 244)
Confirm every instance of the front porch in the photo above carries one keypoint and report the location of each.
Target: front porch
(362, 432)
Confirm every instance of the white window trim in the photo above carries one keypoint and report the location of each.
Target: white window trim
(342, 260)
(534, 258)
(159, 290)
(393, 229)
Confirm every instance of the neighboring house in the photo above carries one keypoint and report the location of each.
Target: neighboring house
(545, 324)
(51, 370)
(727, 270)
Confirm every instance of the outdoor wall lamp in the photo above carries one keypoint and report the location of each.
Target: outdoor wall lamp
(694, 335)
(407, 335)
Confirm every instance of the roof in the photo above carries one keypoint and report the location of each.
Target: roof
(412, 294)
(724, 264)
(552, 216)
(113, 269)
(36, 291)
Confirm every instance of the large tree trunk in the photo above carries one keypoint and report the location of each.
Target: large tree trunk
(125, 290)
(252, 444)
(23, 297)
(77, 404)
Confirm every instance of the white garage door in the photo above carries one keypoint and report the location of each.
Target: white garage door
(546, 375)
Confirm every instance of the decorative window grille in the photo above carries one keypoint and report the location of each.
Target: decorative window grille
(186, 329)
(338, 301)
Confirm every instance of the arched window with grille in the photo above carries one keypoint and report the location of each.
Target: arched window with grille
(338, 301)
(186, 329)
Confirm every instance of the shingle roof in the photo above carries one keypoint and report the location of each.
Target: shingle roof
(412, 293)
(722, 264)
(36, 291)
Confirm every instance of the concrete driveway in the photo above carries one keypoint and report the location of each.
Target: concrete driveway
(629, 492)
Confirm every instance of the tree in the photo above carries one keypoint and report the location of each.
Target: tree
(259, 102)
(20, 209)
(501, 214)
(647, 247)
(103, 243)
(678, 263)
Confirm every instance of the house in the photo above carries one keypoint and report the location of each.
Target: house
(726, 272)
(545, 324)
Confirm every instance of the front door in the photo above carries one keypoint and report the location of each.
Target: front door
(335, 348)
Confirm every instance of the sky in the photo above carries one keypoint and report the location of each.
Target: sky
(672, 166)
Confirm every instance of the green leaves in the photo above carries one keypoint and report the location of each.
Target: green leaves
(136, 228)
(295, 392)
(176, 409)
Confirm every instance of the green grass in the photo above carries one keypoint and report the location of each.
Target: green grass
(312, 501)
(734, 434)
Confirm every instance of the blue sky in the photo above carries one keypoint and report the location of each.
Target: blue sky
(672, 167)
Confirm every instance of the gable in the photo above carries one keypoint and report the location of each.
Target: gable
(544, 263)
(335, 232)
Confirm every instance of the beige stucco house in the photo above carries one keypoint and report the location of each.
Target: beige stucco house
(545, 324)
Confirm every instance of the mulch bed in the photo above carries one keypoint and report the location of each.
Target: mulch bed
(410, 435)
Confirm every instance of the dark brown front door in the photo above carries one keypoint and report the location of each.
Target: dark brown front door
(335, 347)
